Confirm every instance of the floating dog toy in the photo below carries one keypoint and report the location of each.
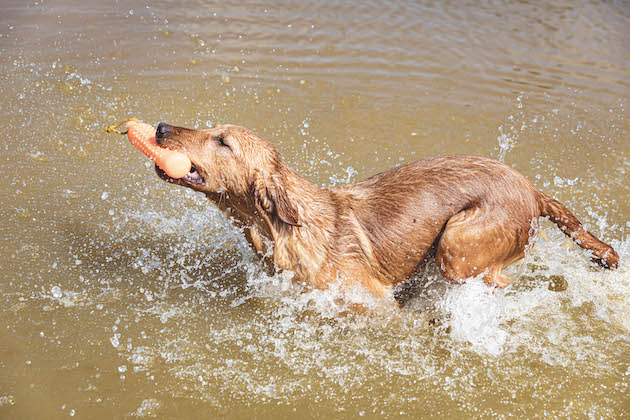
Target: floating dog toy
(142, 136)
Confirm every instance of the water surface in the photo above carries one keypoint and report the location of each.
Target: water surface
(123, 296)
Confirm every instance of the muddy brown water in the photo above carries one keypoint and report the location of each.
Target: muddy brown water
(122, 296)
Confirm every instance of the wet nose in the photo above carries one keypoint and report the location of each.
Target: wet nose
(162, 130)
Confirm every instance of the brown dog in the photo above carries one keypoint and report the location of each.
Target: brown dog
(474, 215)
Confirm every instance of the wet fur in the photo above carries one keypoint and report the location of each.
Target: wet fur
(474, 215)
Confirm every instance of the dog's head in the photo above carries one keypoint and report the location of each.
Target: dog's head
(228, 159)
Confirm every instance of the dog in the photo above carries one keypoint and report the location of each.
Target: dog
(473, 215)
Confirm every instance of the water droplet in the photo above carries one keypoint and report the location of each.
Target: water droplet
(114, 340)
(56, 292)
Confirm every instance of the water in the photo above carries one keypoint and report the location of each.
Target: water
(122, 296)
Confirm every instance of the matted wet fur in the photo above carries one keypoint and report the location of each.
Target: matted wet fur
(474, 215)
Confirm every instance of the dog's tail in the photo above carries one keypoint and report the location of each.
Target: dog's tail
(603, 254)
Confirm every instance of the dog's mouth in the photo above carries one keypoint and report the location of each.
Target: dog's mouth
(192, 178)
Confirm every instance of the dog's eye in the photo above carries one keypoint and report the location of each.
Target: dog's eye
(221, 140)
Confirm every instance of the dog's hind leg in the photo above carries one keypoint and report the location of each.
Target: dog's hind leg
(477, 242)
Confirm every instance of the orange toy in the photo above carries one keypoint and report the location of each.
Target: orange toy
(142, 136)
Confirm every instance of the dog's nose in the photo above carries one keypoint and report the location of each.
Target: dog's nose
(162, 130)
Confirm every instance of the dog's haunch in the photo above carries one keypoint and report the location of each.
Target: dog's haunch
(142, 136)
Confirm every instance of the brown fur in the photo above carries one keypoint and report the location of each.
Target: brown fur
(475, 215)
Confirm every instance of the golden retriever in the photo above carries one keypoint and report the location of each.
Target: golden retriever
(474, 215)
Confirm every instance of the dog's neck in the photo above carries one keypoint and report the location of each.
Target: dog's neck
(302, 249)
(329, 242)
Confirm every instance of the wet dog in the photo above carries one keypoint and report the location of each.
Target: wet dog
(474, 215)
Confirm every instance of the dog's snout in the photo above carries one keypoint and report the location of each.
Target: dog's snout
(162, 130)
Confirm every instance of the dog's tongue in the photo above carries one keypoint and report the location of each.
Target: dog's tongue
(142, 136)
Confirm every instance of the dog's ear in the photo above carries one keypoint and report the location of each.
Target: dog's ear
(285, 208)
(271, 195)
